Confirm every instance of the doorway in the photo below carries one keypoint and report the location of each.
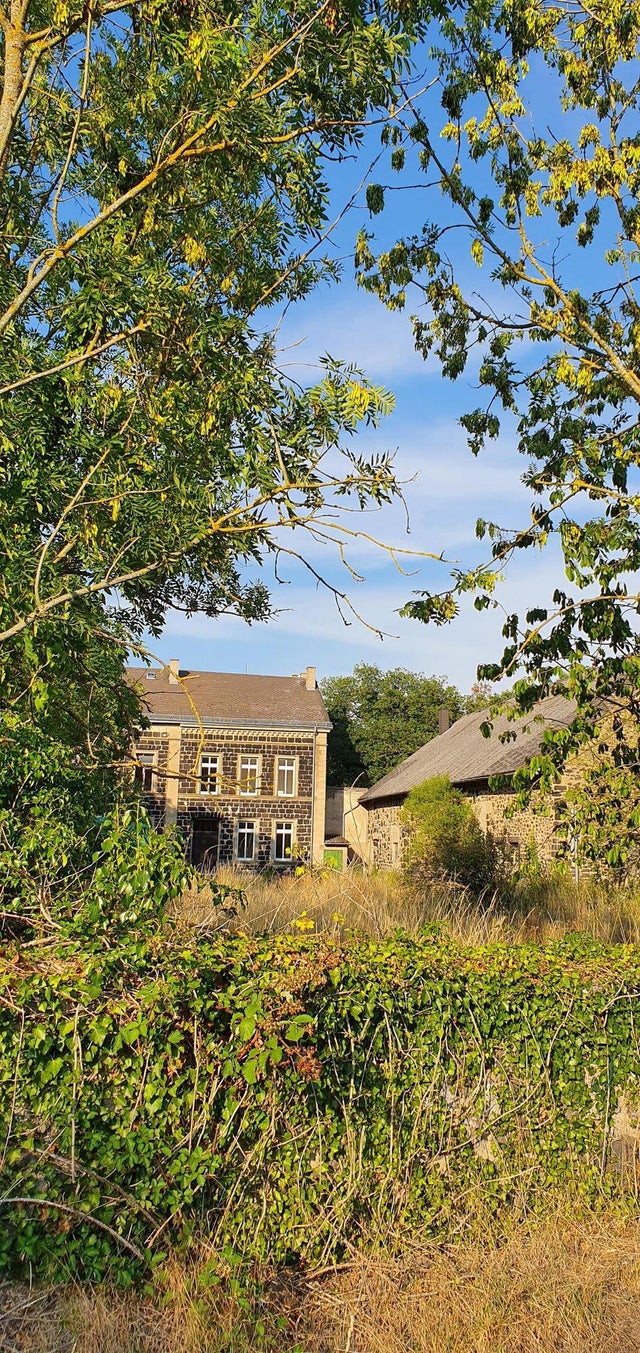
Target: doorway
(205, 838)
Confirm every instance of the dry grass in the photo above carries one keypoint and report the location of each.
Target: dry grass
(377, 904)
(570, 1285)
(562, 1288)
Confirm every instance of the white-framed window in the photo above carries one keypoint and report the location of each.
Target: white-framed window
(246, 835)
(284, 841)
(144, 772)
(286, 767)
(209, 774)
(248, 776)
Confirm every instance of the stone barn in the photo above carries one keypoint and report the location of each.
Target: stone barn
(471, 760)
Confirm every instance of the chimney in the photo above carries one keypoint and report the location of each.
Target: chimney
(443, 720)
(310, 678)
(174, 671)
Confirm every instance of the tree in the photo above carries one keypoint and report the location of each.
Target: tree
(379, 718)
(534, 148)
(162, 189)
(445, 840)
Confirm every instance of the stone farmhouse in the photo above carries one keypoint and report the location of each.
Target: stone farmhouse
(237, 762)
(470, 760)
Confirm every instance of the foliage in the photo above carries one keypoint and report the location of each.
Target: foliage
(98, 884)
(600, 817)
(161, 187)
(445, 839)
(530, 135)
(285, 1095)
(64, 741)
(379, 718)
(596, 806)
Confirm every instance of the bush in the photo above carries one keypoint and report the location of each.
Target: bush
(446, 840)
(284, 1096)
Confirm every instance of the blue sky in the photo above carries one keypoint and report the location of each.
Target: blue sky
(446, 488)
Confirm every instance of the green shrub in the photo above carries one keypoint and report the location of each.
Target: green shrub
(445, 838)
(282, 1096)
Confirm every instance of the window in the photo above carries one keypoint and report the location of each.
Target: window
(246, 841)
(209, 774)
(143, 772)
(285, 777)
(283, 842)
(249, 767)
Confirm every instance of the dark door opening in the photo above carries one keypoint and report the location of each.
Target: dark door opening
(204, 843)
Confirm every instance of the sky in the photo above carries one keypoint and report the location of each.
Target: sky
(446, 490)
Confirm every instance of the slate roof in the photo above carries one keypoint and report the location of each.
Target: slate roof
(465, 755)
(220, 699)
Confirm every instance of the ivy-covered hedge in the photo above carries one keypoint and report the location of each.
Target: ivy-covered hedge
(281, 1095)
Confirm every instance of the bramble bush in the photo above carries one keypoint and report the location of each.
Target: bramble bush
(284, 1096)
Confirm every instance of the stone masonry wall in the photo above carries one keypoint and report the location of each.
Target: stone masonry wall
(227, 807)
(387, 836)
(526, 829)
(156, 741)
(518, 833)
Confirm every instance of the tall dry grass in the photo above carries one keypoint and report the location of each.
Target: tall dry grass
(570, 1285)
(377, 904)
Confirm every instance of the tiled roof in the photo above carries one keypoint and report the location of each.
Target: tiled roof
(228, 698)
(465, 755)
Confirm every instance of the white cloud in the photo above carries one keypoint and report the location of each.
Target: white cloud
(309, 629)
(357, 330)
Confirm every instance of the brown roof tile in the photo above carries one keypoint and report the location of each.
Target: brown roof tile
(221, 698)
(465, 755)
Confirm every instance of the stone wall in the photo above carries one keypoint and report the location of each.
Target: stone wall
(156, 741)
(229, 806)
(177, 795)
(387, 836)
(516, 834)
(527, 829)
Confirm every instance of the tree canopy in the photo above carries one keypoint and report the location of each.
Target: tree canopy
(162, 197)
(161, 186)
(379, 718)
(529, 135)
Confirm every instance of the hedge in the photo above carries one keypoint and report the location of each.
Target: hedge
(284, 1096)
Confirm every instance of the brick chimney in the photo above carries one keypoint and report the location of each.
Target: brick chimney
(443, 720)
(174, 671)
(310, 679)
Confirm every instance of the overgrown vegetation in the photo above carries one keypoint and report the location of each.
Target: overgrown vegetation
(289, 1096)
(538, 907)
(445, 840)
(570, 1284)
